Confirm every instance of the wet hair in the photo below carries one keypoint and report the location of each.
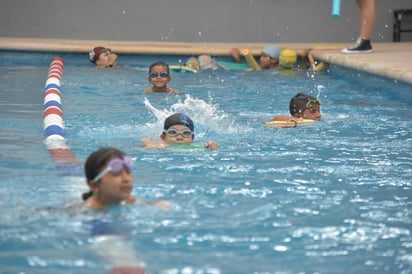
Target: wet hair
(298, 103)
(96, 161)
(159, 63)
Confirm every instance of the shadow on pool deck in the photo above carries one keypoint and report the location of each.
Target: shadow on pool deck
(391, 60)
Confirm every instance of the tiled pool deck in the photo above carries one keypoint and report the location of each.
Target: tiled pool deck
(391, 60)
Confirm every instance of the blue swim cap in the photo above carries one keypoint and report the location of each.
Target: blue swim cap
(272, 51)
(179, 119)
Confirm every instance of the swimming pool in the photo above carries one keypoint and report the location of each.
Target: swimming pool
(331, 197)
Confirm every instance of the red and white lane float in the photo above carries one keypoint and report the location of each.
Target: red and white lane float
(65, 159)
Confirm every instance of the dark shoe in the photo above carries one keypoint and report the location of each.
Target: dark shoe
(361, 46)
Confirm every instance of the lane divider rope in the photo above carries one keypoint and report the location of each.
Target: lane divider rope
(65, 160)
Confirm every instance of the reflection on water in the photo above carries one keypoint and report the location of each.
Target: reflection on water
(330, 197)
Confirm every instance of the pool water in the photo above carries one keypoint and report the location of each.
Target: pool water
(329, 197)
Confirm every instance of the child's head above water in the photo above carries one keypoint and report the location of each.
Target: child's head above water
(202, 62)
(103, 57)
(269, 57)
(193, 63)
(305, 106)
(272, 51)
(178, 128)
(161, 65)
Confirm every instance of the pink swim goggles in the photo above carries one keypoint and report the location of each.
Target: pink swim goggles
(115, 166)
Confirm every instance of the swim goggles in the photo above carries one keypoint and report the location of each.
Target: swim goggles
(156, 74)
(311, 103)
(115, 166)
(174, 132)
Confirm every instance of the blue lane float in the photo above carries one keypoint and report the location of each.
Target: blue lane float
(66, 161)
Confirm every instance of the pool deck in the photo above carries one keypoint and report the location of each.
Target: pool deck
(390, 60)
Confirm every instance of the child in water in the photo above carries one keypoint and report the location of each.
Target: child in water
(272, 58)
(108, 173)
(202, 62)
(103, 57)
(159, 77)
(178, 129)
(269, 57)
(301, 107)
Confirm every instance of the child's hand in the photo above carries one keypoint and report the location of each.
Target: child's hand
(153, 144)
(212, 145)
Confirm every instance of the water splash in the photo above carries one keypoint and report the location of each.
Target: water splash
(204, 115)
(320, 89)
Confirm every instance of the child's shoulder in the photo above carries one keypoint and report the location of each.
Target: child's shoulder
(172, 91)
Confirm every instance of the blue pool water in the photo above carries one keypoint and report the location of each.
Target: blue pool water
(330, 197)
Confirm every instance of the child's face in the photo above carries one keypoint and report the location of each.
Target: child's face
(267, 62)
(106, 59)
(179, 138)
(312, 113)
(115, 187)
(159, 77)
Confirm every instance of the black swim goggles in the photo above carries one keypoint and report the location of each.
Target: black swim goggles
(161, 75)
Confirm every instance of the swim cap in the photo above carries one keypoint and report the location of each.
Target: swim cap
(288, 58)
(95, 53)
(179, 119)
(299, 103)
(272, 51)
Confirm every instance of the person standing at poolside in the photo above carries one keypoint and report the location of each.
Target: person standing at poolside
(159, 77)
(103, 57)
(108, 173)
(367, 23)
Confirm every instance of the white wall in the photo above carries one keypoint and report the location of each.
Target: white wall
(192, 20)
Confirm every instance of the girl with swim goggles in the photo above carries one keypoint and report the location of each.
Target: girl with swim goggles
(108, 173)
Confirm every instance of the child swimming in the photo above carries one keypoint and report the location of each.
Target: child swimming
(178, 129)
(109, 177)
(301, 107)
(103, 57)
(159, 77)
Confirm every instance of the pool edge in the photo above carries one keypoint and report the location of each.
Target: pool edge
(390, 60)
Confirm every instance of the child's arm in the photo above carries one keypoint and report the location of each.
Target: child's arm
(235, 53)
(306, 55)
(311, 60)
(284, 118)
(146, 143)
(162, 204)
(172, 91)
(149, 90)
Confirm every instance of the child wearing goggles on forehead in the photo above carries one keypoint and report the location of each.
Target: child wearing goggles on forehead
(178, 129)
(103, 57)
(159, 77)
(302, 107)
(108, 173)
